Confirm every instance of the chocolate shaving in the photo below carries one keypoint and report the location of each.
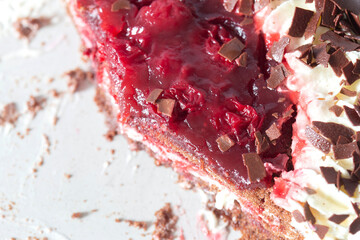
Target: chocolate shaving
(350, 186)
(348, 72)
(339, 41)
(355, 226)
(241, 61)
(308, 214)
(312, 25)
(356, 69)
(278, 48)
(317, 140)
(300, 22)
(352, 5)
(337, 110)
(320, 54)
(321, 230)
(342, 140)
(154, 95)
(356, 208)
(338, 218)
(225, 143)
(337, 61)
(246, 21)
(333, 130)
(353, 116)
(343, 151)
(328, 15)
(246, 7)
(232, 49)
(229, 5)
(165, 106)
(260, 4)
(329, 174)
(277, 75)
(262, 144)
(273, 132)
(120, 5)
(255, 167)
(298, 216)
(338, 180)
(348, 92)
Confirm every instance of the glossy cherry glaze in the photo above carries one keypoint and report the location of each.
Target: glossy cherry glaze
(173, 45)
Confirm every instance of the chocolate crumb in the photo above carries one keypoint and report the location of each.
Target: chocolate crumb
(120, 5)
(353, 116)
(317, 140)
(255, 166)
(9, 114)
(321, 230)
(329, 174)
(338, 218)
(355, 226)
(273, 132)
(165, 106)
(165, 224)
(300, 21)
(77, 77)
(232, 49)
(138, 224)
(154, 95)
(225, 143)
(348, 92)
(298, 216)
(77, 215)
(308, 214)
(28, 27)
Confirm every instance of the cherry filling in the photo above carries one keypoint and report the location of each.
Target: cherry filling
(173, 46)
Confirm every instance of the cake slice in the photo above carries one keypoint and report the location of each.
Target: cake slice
(205, 87)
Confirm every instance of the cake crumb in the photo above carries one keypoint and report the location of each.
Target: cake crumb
(111, 133)
(28, 27)
(35, 104)
(77, 215)
(67, 176)
(165, 224)
(138, 224)
(76, 78)
(9, 114)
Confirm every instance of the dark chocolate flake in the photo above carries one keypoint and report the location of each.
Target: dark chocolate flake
(229, 5)
(338, 180)
(154, 95)
(353, 116)
(342, 140)
(120, 5)
(348, 92)
(232, 49)
(352, 5)
(328, 15)
(246, 7)
(277, 75)
(356, 69)
(337, 110)
(278, 48)
(320, 54)
(165, 106)
(255, 166)
(333, 130)
(356, 208)
(339, 41)
(344, 151)
(321, 230)
(337, 61)
(241, 61)
(348, 72)
(298, 216)
(338, 218)
(355, 226)
(300, 21)
(225, 143)
(350, 186)
(308, 214)
(262, 144)
(273, 132)
(317, 140)
(329, 174)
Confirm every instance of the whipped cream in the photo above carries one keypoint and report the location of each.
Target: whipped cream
(317, 88)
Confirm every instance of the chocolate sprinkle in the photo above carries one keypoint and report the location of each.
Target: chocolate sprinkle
(278, 48)
(245, 7)
(232, 49)
(333, 130)
(329, 174)
(350, 186)
(337, 61)
(241, 61)
(277, 75)
(165, 106)
(343, 151)
(308, 214)
(298, 216)
(352, 5)
(321, 230)
(355, 226)
(353, 116)
(348, 92)
(262, 144)
(338, 218)
(337, 110)
(300, 21)
(273, 132)
(154, 95)
(320, 54)
(225, 143)
(255, 167)
(348, 72)
(120, 5)
(317, 140)
(339, 41)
